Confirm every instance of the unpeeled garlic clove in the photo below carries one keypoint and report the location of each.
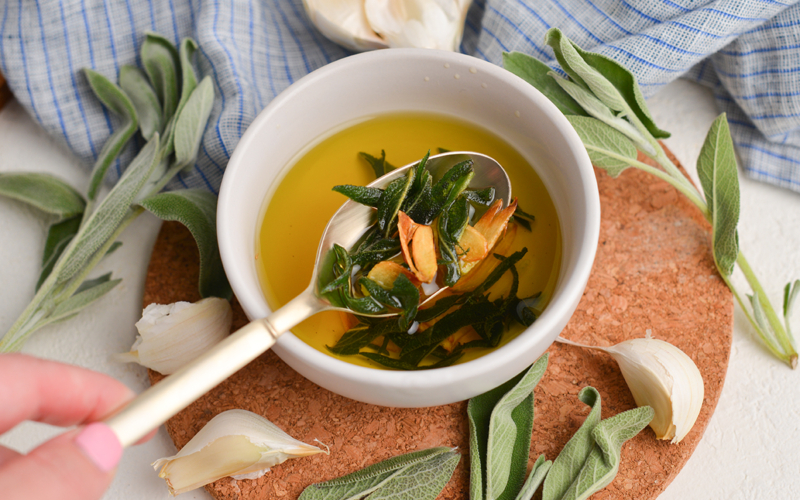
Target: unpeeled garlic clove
(344, 22)
(427, 24)
(235, 443)
(172, 335)
(661, 376)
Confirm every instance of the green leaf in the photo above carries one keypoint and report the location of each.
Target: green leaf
(790, 293)
(134, 82)
(197, 210)
(509, 439)
(403, 296)
(607, 148)
(44, 192)
(192, 122)
(88, 292)
(103, 223)
(364, 334)
(115, 99)
(58, 237)
(535, 72)
(392, 198)
(379, 165)
(535, 478)
(162, 65)
(619, 76)
(760, 316)
(368, 196)
(716, 168)
(450, 228)
(503, 440)
(377, 477)
(599, 110)
(187, 50)
(590, 460)
(422, 481)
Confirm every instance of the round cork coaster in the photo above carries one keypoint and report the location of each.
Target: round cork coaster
(653, 271)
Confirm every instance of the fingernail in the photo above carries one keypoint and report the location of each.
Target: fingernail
(100, 444)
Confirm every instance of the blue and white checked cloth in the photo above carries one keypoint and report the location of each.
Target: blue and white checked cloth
(746, 50)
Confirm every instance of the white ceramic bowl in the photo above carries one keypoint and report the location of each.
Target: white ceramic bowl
(411, 80)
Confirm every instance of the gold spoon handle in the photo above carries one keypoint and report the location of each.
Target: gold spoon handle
(163, 400)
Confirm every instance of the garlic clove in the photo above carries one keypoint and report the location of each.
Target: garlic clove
(661, 376)
(428, 24)
(235, 443)
(344, 22)
(172, 335)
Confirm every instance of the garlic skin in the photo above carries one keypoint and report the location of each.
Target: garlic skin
(661, 376)
(172, 335)
(344, 22)
(426, 24)
(235, 443)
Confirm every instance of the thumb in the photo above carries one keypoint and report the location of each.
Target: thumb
(77, 465)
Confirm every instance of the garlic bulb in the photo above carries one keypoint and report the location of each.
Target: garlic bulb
(373, 24)
(427, 24)
(172, 335)
(344, 22)
(661, 376)
(235, 443)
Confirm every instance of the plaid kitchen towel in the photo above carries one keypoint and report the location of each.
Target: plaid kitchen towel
(746, 50)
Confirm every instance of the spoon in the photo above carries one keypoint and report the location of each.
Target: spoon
(163, 400)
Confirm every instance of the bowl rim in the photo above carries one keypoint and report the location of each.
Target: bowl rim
(572, 286)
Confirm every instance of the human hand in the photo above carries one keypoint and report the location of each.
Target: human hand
(76, 465)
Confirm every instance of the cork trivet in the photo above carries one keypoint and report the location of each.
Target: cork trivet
(653, 271)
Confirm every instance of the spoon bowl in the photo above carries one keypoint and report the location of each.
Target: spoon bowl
(174, 393)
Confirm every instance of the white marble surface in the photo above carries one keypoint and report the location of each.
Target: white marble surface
(748, 451)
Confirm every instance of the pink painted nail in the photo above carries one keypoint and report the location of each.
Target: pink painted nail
(101, 445)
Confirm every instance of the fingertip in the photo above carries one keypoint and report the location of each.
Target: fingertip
(99, 443)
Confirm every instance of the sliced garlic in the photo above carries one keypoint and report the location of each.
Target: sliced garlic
(344, 22)
(235, 443)
(661, 376)
(426, 24)
(172, 335)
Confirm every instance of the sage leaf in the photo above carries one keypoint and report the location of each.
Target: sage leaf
(790, 293)
(760, 316)
(392, 198)
(422, 481)
(535, 478)
(619, 76)
(582, 73)
(44, 192)
(58, 237)
(189, 77)
(590, 460)
(371, 480)
(368, 196)
(535, 72)
(451, 226)
(144, 99)
(102, 224)
(162, 64)
(403, 296)
(608, 148)
(503, 440)
(599, 110)
(379, 165)
(716, 168)
(88, 292)
(192, 121)
(116, 101)
(197, 210)
(507, 449)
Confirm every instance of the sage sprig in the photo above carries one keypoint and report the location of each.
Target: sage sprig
(420, 475)
(605, 106)
(170, 109)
